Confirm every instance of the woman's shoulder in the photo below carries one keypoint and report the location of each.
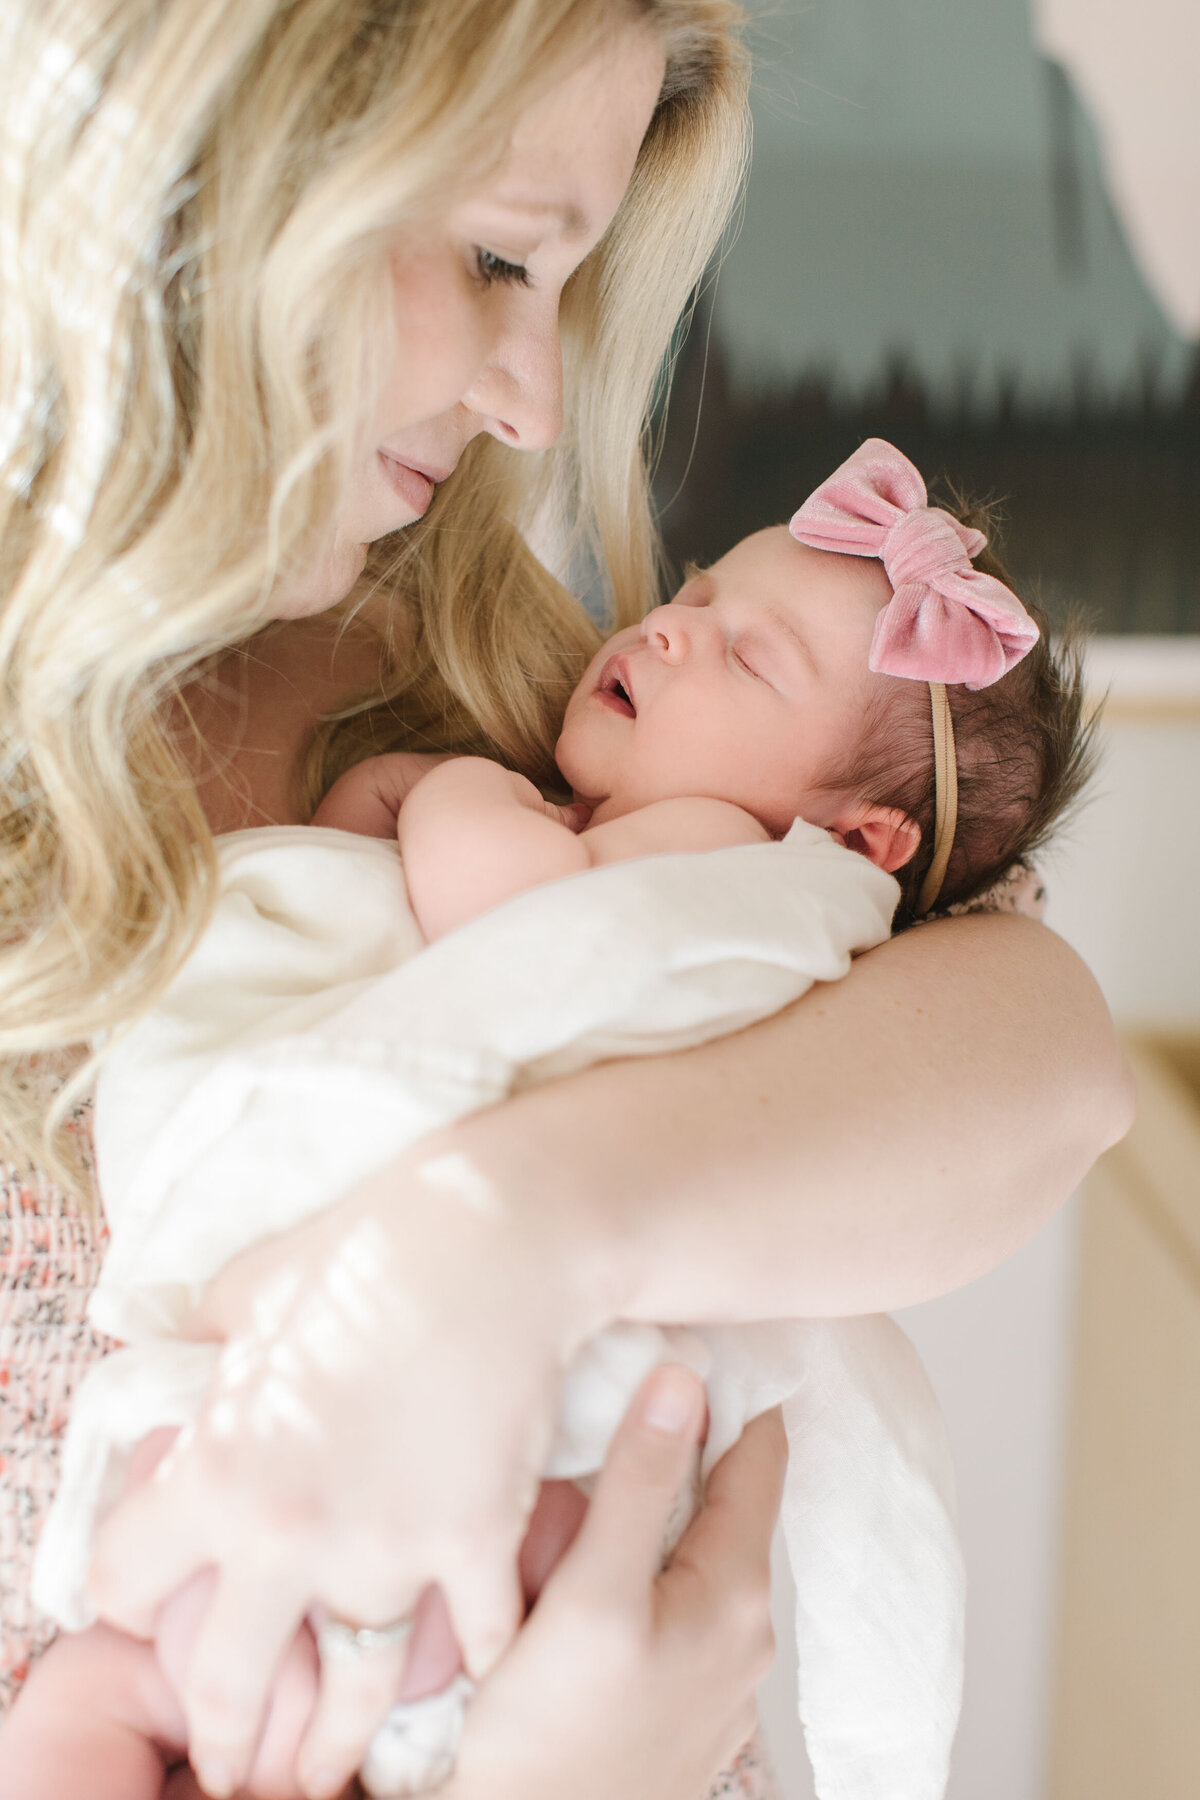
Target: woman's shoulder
(51, 1249)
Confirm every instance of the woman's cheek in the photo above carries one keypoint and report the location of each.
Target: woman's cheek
(440, 347)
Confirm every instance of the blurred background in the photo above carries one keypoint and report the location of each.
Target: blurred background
(973, 227)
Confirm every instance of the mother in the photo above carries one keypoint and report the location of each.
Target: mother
(285, 278)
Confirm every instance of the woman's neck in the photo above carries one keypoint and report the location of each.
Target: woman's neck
(253, 712)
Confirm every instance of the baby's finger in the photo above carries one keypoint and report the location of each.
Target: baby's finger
(574, 817)
(239, 1648)
(619, 1549)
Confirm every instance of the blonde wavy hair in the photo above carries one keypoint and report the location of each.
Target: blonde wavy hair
(197, 202)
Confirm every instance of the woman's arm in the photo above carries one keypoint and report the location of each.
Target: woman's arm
(890, 1136)
(886, 1139)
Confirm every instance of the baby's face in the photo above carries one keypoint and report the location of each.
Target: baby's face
(750, 686)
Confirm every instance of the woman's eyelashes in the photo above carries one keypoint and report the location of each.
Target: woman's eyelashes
(492, 268)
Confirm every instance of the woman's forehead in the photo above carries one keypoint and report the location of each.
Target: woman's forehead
(572, 150)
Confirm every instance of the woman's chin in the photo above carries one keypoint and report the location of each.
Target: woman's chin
(329, 579)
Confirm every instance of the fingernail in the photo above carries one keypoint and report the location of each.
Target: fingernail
(669, 1403)
(482, 1657)
(323, 1784)
(216, 1778)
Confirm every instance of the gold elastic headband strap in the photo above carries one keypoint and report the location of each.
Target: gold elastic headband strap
(945, 777)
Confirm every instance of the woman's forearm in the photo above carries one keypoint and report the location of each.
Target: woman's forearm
(887, 1139)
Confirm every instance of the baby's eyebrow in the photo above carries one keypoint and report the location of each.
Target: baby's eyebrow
(695, 573)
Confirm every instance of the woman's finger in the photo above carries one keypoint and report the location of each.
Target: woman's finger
(238, 1650)
(136, 1566)
(619, 1549)
(723, 1560)
(355, 1698)
(486, 1604)
(732, 1531)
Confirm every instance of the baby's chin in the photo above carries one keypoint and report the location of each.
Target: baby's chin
(569, 768)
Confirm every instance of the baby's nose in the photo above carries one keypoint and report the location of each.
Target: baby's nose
(666, 630)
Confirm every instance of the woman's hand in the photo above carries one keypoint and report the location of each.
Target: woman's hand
(379, 1419)
(626, 1680)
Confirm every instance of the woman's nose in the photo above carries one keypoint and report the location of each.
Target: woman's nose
(519, 392)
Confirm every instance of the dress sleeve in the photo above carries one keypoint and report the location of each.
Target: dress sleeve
(51, 1249)
(749, 1777)
(1021, 890)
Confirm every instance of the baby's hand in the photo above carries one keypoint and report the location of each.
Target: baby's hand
(368, 797)
(575, 816)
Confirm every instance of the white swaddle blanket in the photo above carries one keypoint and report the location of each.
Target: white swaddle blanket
(312, 1036)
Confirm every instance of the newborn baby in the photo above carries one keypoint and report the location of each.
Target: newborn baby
(790, 686)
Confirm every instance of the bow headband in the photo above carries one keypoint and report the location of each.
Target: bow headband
(946, 622)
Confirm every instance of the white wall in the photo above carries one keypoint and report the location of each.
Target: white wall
(1141, 87)
(1123, 891)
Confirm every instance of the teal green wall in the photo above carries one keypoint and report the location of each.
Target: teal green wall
(921, 188)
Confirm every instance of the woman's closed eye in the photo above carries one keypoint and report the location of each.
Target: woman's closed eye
(492, 268)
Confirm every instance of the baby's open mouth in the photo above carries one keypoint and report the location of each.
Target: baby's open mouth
(613, 689)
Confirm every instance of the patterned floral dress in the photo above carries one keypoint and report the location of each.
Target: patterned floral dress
(50, 1256)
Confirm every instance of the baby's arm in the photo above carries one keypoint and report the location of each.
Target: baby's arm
(667, 826)
(367, 798)
(474, 834)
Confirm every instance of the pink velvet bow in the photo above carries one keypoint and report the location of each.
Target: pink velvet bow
(946, 621)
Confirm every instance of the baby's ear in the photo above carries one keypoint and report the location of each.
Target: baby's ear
(885, 835)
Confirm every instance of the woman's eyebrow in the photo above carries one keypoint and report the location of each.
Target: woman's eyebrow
(574, 221)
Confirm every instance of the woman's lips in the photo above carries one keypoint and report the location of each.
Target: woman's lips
(414, 487)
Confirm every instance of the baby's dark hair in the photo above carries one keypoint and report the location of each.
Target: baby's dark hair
(1024, 746)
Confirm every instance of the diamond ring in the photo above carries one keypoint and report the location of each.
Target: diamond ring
(338, 1641)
